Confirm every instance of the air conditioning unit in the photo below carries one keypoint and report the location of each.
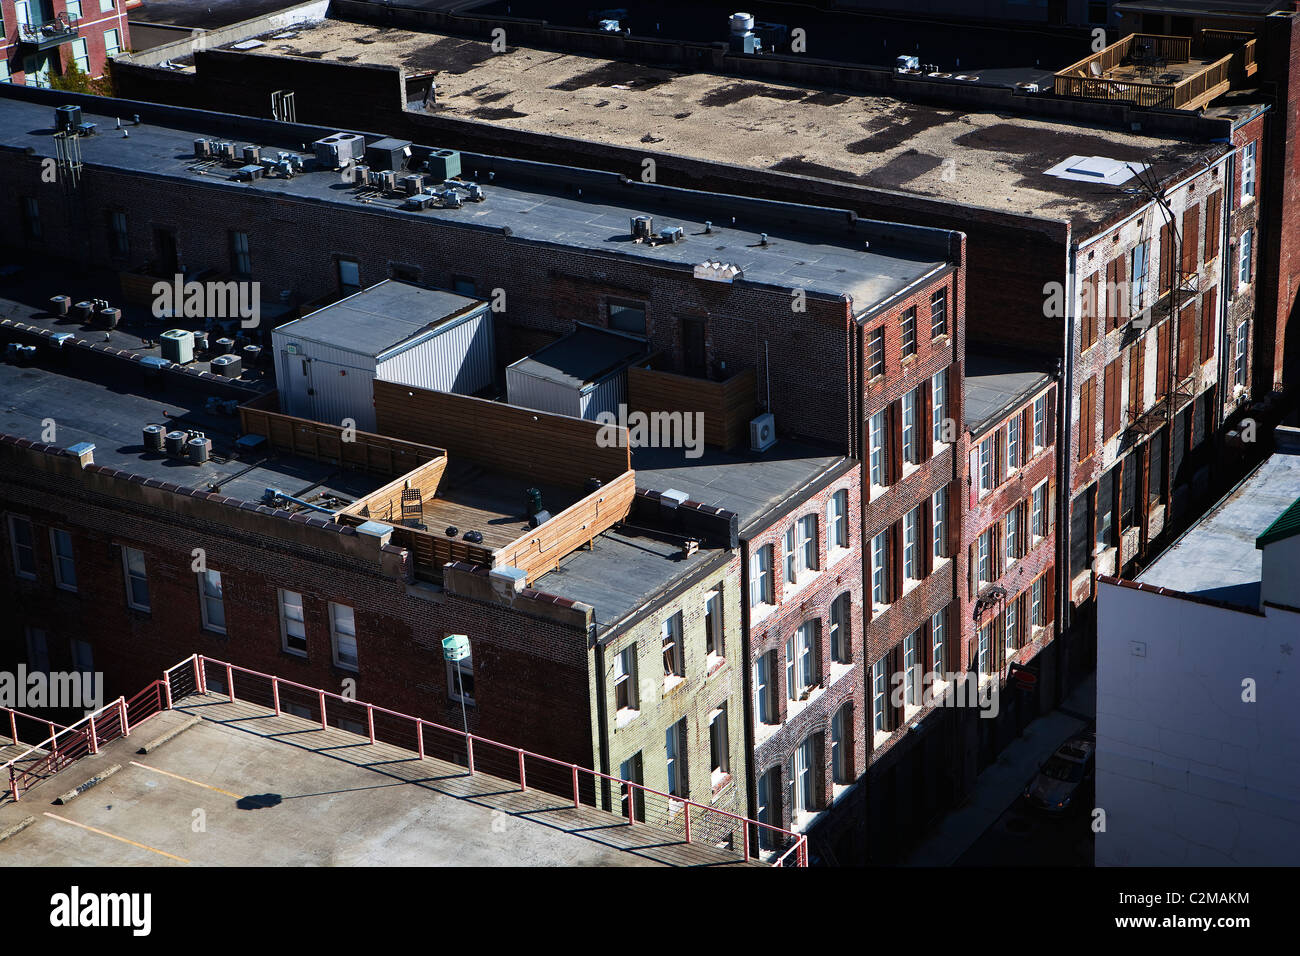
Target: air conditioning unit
(339, 150)
(252, 154)
(178, 346)
(202, 149)
(762, 432)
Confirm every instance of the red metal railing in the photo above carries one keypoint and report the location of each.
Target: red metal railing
(694, 822)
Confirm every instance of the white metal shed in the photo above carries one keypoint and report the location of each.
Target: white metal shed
(582, 374)
(326, 362)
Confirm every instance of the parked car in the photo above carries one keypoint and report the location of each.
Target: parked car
(1065, 781)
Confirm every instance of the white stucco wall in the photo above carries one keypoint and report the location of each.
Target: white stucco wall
(1188, 773)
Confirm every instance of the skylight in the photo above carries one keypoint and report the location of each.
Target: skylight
(1097, 169)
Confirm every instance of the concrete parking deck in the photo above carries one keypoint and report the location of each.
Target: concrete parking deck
(279, 791)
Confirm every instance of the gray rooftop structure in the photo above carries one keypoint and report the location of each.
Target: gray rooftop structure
(583, 356)
(826, 252)
(376, 319)
(995, 383)
(1217, 557)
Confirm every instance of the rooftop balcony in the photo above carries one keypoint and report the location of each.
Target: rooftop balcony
(1150, 71)
(47, 35)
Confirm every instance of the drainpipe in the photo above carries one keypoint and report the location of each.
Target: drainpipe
(1064, 458)
(601, 787)
(1226, 342)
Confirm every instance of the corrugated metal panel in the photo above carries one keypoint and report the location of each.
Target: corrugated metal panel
(340, 382)
(459, 357)
(530, 391)
(605, 396)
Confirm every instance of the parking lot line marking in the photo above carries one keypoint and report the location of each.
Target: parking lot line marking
(177, 776)
(113, 836)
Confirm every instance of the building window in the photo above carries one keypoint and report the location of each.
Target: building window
(803, 796)
(1040, 423)
(807, 543)
(73, 8)
(713, 635)
(912, 669)
(837, 521)
(627, 317)
(240, 258)
(909, 332)
(343, 635)
(349, 273)
(985, 559)
(842, 744)
(938, 643)
(460, 681)
(112, 43)
(842, 629)
(876, 352)
(293, 625)
(1243, 338)
(675, 757)
(83, 657)
(879, 697)
(1038, 512)
(939, 524)
(137, 580)
(985, 658)
(38, 650)
(911, 442)
(1036, 615)
(1244, 258)
(938, 406)
(767, 788)
(880, 569)
(800, 663)
(105, 6)
(630, 770)
(118, 243)
(791, 572)
(1138, 272)
(625, 686)
(939, 313)
(1014, 443)
(1011, 631)
(879, 439)
(986, 477)
(1248, 173)
(1012, 535)
(764, 700)
(22, 544)
(31, 217)
(81, 56)
(65, 564)
(212, 603)
(719, 746)
(912, 546)
(760, 576)
(674, 666)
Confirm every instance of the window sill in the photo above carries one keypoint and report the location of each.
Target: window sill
(672, 683)
(713, 665)
(764, 732)
(719, 782)
(839, 669)
(878, 610)
(760, 612)
(624, 717)
(799, 584)
(835, 554)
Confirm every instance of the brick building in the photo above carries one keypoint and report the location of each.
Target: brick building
(41, 38)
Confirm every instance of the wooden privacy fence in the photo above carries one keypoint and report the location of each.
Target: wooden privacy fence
(542, 548)
(727, 406)
(374, 454)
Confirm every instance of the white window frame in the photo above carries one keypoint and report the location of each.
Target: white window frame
(337, 632)
(841, 743)
(1242, 337)
(984, 557)
(1010, 624)
(82, 59)
(466, 667)
(807, 554)
(984, 660)
(837, 520)
(905, 350)
(130, 576)
(878, 427)
(760, 576)
(764, 700)
(912, 564)
(1040, 423)
(880, 697)
(789, 555)
(293, 618)
(16, 547)
(204, 577)
(106, 6)
(1245, 258)
(1011, 537)
(1015, 444)
(1138, 279)
(911, 443)
(804, 798)
(1248, 173)
(719, 746)
(939, 525)
(938, 642)
(675, 759)
(805, 638)
(714, 634)
(938, 406)
(1038, 511)
(912, 667)
(73, 9)
(880, 570)
(670, 630)
(64, 579)
(1036, 596)
(112, 43)
(842, 628)
(987, 479)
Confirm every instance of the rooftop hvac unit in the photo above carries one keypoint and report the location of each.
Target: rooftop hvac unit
(609, 26)
(250, 172)
(225, 152)
(198, 449)
(388, 181)
(762, 432)
(227, 366)
(443, 164)
(202, 149)
(67, 118)
(178, 346)
(451, 199)
(474, 192)
(174, 443)
(339, 150)
(412, 184)
(673, 234)
(153, 438)
(361, 175)
(388, 153)
(642, 227)
(252, 154)
(906, 64)
(741, 23)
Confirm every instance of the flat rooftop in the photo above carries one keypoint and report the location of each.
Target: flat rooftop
(109, 406)
(471, 498)
(1216, 558)
(381, 317)
(750, 484)
(207, 15)
(995, 383)
(585, 355)
(282, 792)
(983, 159)
(808, 248)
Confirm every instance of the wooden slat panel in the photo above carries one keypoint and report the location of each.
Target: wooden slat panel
(727, 406)
(541, 549)
(506, 438)
(388, 499)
